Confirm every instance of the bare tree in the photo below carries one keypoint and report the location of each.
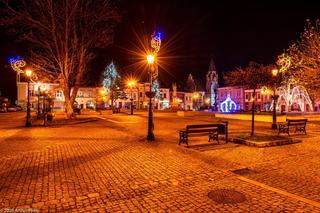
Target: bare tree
(253, 76)
(305, 58)
(63, 35)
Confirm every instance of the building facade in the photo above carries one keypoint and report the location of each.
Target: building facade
(236, 94)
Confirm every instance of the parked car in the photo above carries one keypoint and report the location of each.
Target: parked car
(3, 104)
(19, 107)
(12, 108)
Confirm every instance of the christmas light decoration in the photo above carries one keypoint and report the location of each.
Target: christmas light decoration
(17, 63)
(228, 105)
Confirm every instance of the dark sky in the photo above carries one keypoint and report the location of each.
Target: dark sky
(193, 32)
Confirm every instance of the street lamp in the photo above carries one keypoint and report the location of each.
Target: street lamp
(150, 95)
(195, 99)
(274, 98)
(28, 119)
(39, 94)
(131, 84)
(208, 102)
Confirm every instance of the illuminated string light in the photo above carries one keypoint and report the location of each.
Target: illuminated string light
(17, 63)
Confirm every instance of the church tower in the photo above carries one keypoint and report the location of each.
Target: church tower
(212, 83)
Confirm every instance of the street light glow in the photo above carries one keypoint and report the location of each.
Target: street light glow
(195, 95)
(274, 72)
(28, 72)
(150, 59)
(131, 83)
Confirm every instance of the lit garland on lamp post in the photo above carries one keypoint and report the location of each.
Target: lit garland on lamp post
(28, 118)
(153, 72)
(150, 95)
(17, 63)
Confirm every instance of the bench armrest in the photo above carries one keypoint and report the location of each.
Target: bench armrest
(281, 125)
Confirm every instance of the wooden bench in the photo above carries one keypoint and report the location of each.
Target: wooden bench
(299, 124)
(212, 130)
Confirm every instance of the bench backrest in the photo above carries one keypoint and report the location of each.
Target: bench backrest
(297, 121)
(195, 128)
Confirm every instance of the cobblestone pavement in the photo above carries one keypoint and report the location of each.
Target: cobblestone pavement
(106, 165)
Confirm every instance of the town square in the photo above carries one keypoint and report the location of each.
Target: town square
(151, 106)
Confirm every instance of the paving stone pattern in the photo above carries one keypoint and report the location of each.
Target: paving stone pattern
(106, 166)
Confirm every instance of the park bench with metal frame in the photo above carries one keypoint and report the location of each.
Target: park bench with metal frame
(212, 130)
(299, 124)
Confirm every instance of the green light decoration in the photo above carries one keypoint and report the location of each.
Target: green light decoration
(156, 88)
(111, 77)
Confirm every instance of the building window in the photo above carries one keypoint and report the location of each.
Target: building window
(81, 94)
(258, 96)
(58, 94)
(164, 95)
(247, 97)
(140, 95)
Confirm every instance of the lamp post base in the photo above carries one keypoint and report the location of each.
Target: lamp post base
(150, 137)
(274, 126)
(131, 107)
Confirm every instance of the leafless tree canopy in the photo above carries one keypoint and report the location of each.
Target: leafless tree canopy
(63, 34)
(252, 76)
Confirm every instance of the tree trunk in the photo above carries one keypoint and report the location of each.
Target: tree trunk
(68, 102)
(253, 109)
(69, 108)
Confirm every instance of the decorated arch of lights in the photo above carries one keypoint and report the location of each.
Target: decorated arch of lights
(228, 105)
(290, 91)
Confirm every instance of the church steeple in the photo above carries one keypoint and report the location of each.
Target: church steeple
(212, 66)
(212, 82)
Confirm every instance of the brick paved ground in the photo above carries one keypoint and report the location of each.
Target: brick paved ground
(106, 165)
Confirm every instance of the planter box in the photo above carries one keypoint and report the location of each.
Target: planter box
(193, 113)
(248, 117)
(106, 112)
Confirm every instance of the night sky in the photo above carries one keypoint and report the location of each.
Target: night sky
(193, 32)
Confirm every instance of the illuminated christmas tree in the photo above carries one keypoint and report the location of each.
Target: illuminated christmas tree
(156, 88)
(112, 83)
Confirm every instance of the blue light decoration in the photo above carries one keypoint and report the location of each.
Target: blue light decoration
(13, 59)
(228, 105)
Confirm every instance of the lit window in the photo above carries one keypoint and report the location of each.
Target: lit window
(58, 94)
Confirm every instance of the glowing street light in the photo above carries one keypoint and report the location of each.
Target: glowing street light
(150, 95)
(28, 118)
(153, 72)
(131, 84)
(150, 59)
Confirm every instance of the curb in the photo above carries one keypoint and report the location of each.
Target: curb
(262, 144)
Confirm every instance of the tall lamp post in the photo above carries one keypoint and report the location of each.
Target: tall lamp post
(150, 95)
(195, 100)
(274, 98)
(28, 119)
(39, 95)
(131, 84)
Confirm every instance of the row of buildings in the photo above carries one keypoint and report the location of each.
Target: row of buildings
(229, 99)
(223, 99)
